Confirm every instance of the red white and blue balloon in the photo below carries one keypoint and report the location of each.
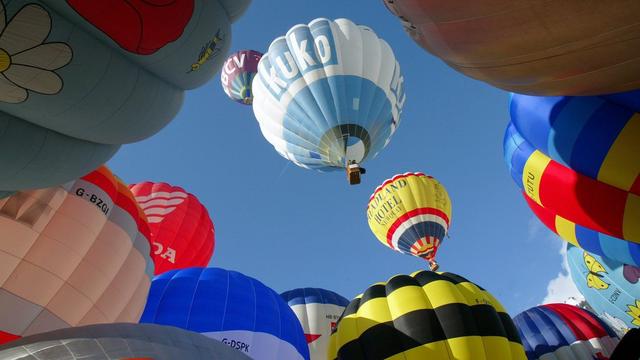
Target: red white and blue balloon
(564, 332)
(318, 311)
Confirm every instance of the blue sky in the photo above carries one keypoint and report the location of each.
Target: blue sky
(290, 227)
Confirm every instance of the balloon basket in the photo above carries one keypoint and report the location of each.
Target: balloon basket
(433, 265)
(353, 174)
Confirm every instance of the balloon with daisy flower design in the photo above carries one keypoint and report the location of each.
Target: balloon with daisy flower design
(80, 78)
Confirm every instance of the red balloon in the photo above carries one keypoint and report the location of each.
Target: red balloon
(182, 232)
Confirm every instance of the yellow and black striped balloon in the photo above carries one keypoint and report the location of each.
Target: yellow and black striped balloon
(425, 315)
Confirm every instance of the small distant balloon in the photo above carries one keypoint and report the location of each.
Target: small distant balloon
(237, 75)
(411, 213)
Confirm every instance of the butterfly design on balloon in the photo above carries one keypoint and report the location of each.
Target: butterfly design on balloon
(594, 279)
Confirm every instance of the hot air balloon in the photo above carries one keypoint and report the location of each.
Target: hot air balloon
(238, 73)
(609, 286)
(230, 307)
(410, 213)
(80, 78)
(182, 233)
(72, 255)
(328, 95)
(562, 48)
(576, 160)
(426, 315)
(119, 341)
(563, 332)
(318, 311)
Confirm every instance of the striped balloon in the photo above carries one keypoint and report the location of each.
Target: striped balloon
(564, 332)
(329, 94)
(182, 232)
(237, 75)
(410, 213)
(318, 311)
(576, 160)
(426, 315)
(72, 255)
(230, 307)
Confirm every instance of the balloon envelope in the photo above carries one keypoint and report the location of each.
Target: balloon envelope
(610, 287)
(423, 316)
(230, 307)
(561, 331)
(570, 47)
(119, 341)
(182, 232)
(410, 213)
(238, 73)
(318, 311)
(575, 159)
(328, 94)
(72, 255)
(81, 78)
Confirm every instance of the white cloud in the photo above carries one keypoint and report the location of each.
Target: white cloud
(561, 289)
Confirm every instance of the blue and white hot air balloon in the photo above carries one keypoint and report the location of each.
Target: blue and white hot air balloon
(610, 287)
(230, 307)
(328, 95)
(318, 311)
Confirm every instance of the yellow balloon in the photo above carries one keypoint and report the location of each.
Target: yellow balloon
(426, 315)
(410, 213)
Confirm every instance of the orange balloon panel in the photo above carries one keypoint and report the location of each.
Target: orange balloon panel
(570, 47)
(72, 255)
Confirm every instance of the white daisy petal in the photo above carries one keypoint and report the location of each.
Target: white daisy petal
(28, 28)
(48, 56)
(34, 79)
(11, 93)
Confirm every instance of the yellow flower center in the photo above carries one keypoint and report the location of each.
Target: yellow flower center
(5, 60)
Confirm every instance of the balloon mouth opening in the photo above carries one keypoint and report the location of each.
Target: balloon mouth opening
(345, 144)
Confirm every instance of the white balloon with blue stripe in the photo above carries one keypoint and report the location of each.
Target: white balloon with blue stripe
(318, 311)
(328, 94)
